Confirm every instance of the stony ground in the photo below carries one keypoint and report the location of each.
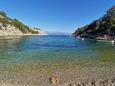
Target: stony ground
(60, 74)
(94, 82)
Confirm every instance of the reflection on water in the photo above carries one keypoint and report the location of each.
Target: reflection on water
(9, 42)
(28, 49)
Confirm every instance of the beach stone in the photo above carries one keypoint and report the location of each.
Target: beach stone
(100, 82)
(54, 79)
(72, 84)
(80, 84)
(109, 82)
(113, 82)
(93, 82)
(88, 84)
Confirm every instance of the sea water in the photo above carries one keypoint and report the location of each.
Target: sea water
(52, 48)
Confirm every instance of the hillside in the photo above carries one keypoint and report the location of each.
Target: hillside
(102, 28)
(10, 26)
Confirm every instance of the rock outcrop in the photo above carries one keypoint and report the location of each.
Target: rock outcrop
(10, 26)
(103, 28)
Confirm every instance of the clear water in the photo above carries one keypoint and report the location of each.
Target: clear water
(30, 49)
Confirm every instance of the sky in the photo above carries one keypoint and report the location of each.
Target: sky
(56, 15)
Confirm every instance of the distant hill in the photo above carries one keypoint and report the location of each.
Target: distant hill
(59, 33)
(102, 28)
(10, 26)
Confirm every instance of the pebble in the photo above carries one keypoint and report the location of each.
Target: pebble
(97, 82)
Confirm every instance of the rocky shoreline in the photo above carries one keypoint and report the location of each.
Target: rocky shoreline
(12, 30)
(105, 37)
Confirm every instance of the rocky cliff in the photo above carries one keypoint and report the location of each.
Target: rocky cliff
(102, 28)
(10, 26)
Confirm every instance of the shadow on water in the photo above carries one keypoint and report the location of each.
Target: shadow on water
(103, 51)
(10, 43)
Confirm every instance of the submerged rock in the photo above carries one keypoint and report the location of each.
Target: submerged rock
(55, 79)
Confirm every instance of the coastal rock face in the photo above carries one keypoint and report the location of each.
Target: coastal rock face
(10, 26)
(103, 28)
(9, 30)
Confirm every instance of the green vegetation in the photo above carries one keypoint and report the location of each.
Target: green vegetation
(22, 27)
(33, 31)
(3, 14)
(4, 22)
(103, 26)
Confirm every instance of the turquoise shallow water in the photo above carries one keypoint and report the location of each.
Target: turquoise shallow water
(30, 49)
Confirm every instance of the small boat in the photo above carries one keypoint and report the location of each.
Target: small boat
(109, 41)
(113, 41)
(82, 39)
(87, 39)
